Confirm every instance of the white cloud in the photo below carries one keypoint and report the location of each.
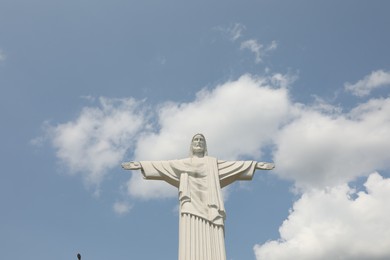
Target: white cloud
(322, 148)
(315, 145)
(364, 87)
(98, 139)
(238, 119)
(258, 49)
(121, 208)
(234, 31)
(329, 224)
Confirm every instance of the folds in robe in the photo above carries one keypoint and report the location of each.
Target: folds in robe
(199, 182)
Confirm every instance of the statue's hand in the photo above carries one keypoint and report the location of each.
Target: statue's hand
(265, 166)
(131, 165)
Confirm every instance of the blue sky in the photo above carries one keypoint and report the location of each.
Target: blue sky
(86, 85)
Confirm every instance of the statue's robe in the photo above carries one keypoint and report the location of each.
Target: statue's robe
(202, 213)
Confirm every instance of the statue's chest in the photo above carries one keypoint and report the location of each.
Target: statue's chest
(197, 169)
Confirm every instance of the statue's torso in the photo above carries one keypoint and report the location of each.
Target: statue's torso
(198, 187)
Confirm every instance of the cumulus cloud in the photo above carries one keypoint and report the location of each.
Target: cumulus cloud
(258, 49)
(98, 139)
(364, 87)
(238, 119)
(318, 148)
(330, 224)
(315, 145)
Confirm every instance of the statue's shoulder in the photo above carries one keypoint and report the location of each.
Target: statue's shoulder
(183, 160)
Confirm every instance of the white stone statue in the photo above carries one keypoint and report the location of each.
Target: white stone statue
(199, 179)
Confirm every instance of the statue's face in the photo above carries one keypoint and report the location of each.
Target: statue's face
(198, 144)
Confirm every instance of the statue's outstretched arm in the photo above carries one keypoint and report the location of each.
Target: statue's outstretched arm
(131, 166)
(264, 166)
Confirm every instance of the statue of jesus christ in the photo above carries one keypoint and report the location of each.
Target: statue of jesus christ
(199, 179)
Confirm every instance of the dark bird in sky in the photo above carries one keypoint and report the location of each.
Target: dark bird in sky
(79, 256)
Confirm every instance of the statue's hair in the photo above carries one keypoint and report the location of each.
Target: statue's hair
(205, 145)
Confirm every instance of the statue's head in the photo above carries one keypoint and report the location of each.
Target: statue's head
(198, 145)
